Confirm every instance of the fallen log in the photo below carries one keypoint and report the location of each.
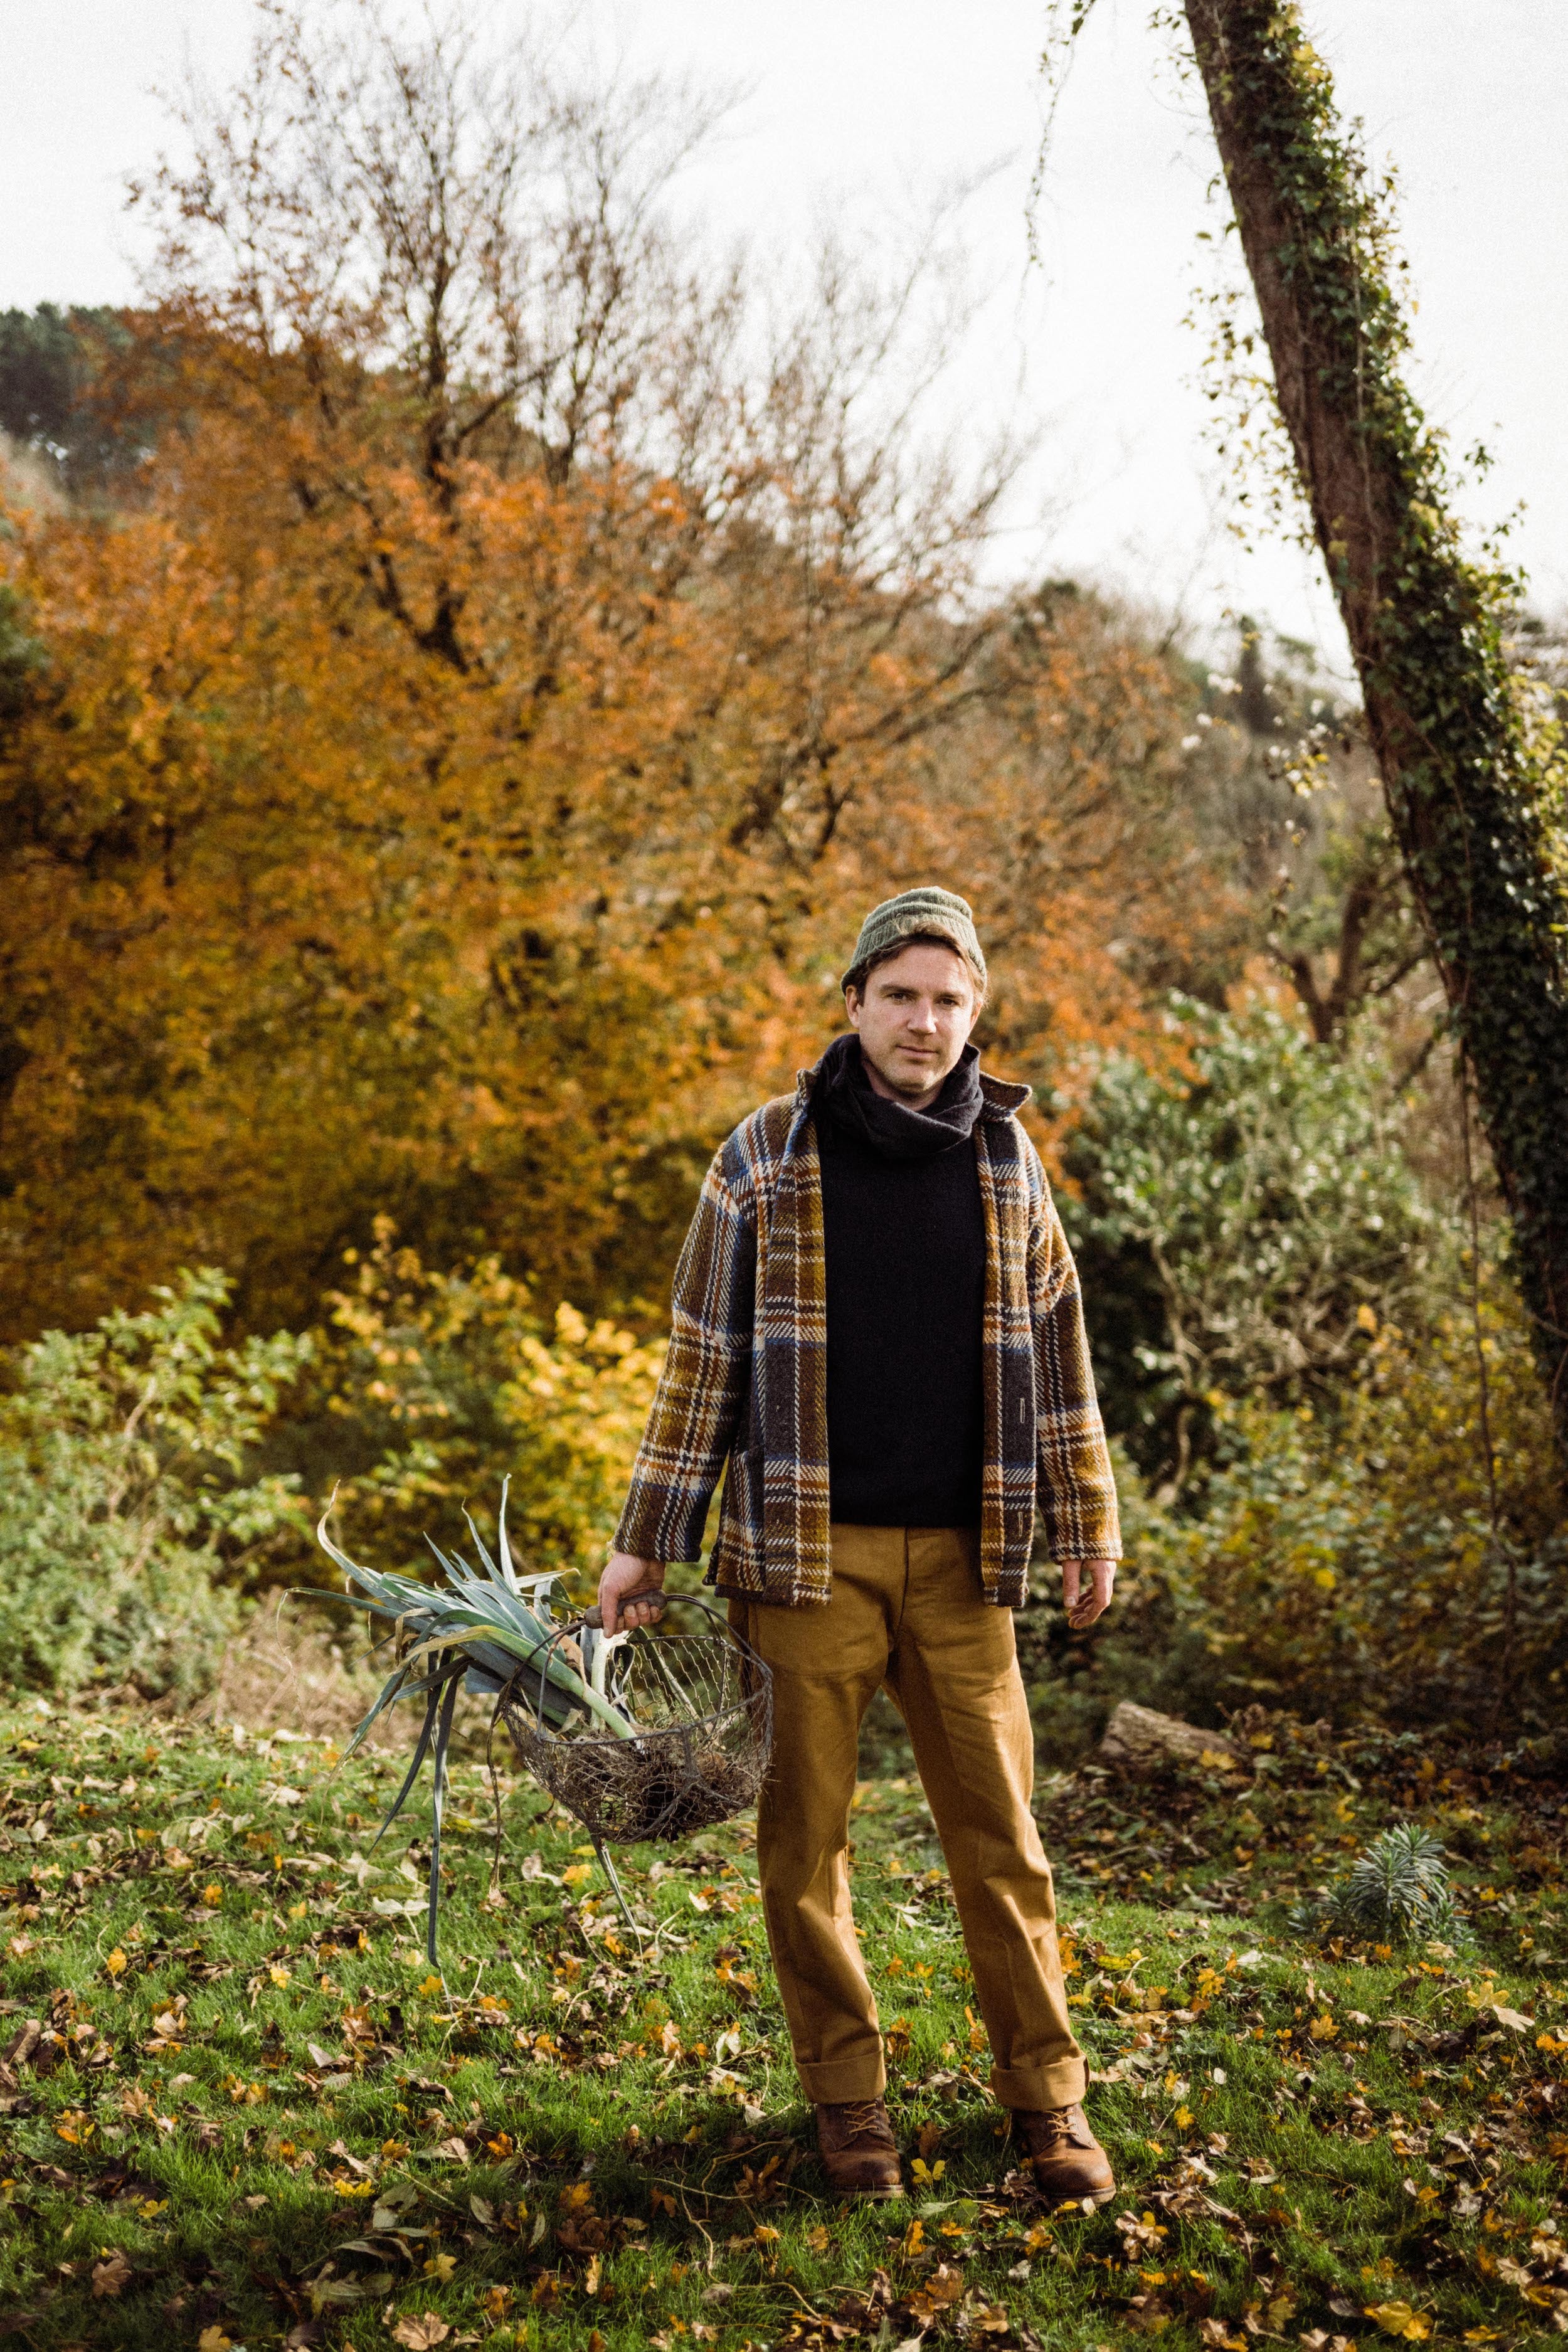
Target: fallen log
(1139, 1739)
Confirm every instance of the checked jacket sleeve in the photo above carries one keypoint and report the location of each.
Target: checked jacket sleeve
(703, 1388)
(1077, 1491)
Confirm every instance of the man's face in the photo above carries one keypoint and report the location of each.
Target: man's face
(914, 1021)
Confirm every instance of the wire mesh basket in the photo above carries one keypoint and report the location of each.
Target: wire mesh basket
(700, 1712)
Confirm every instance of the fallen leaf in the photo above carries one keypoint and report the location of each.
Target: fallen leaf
(987, 2319)
(1399, 2319)
(945, 2286)
(112, 2275)
(421, 2334)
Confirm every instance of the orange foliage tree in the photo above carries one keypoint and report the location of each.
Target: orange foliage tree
(449, 788)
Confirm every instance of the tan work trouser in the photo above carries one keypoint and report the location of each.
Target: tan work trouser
(905, 1610)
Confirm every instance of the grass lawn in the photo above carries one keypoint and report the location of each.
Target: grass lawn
(238, 2108)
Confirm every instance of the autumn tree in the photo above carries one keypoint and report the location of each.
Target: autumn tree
(449, 786)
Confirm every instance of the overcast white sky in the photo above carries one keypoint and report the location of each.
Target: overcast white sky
(857, 103)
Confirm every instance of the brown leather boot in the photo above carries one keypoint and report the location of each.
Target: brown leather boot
(859, 2154)
(1070, 2165)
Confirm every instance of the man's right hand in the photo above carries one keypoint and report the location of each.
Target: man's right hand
(623, 1591)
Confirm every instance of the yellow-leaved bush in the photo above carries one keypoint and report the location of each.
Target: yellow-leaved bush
(438, 1386)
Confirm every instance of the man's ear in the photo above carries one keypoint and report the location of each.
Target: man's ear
(852, 1006)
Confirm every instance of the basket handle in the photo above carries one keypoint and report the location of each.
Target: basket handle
(594, 1618)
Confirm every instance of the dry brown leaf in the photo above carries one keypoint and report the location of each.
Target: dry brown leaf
(420, 2333)
(112, 2275)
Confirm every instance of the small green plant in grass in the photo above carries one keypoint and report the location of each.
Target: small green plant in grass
(1398, 1892)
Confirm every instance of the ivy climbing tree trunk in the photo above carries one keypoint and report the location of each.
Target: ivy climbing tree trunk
(1470, 767)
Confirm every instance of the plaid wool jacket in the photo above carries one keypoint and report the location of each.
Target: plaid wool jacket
(744, 1390)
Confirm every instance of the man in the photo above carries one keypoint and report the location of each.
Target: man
(877, 1339)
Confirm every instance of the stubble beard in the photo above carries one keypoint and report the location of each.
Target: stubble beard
(910, 1088)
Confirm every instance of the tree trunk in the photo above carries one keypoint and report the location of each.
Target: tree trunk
(1466, 767)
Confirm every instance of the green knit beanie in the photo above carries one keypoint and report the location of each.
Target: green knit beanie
(938, 912)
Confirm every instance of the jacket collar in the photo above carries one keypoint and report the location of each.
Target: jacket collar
(1003, 1097)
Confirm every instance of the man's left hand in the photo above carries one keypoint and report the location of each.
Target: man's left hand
(1085, 1590)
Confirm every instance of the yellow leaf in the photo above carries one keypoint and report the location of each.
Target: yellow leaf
(1400, 2319)
(575, 1872)
(213, 2339)
(116, 1963)
(440, 2267)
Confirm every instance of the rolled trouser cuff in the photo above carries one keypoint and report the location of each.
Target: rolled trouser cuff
(830, 2085)
(1062, 2085)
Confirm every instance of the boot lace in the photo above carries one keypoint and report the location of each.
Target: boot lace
(863, 2118)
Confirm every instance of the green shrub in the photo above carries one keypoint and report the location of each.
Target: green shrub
(127, 1523)
(1233, 1224)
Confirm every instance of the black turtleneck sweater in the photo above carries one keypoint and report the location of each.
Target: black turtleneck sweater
(906, 1285)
